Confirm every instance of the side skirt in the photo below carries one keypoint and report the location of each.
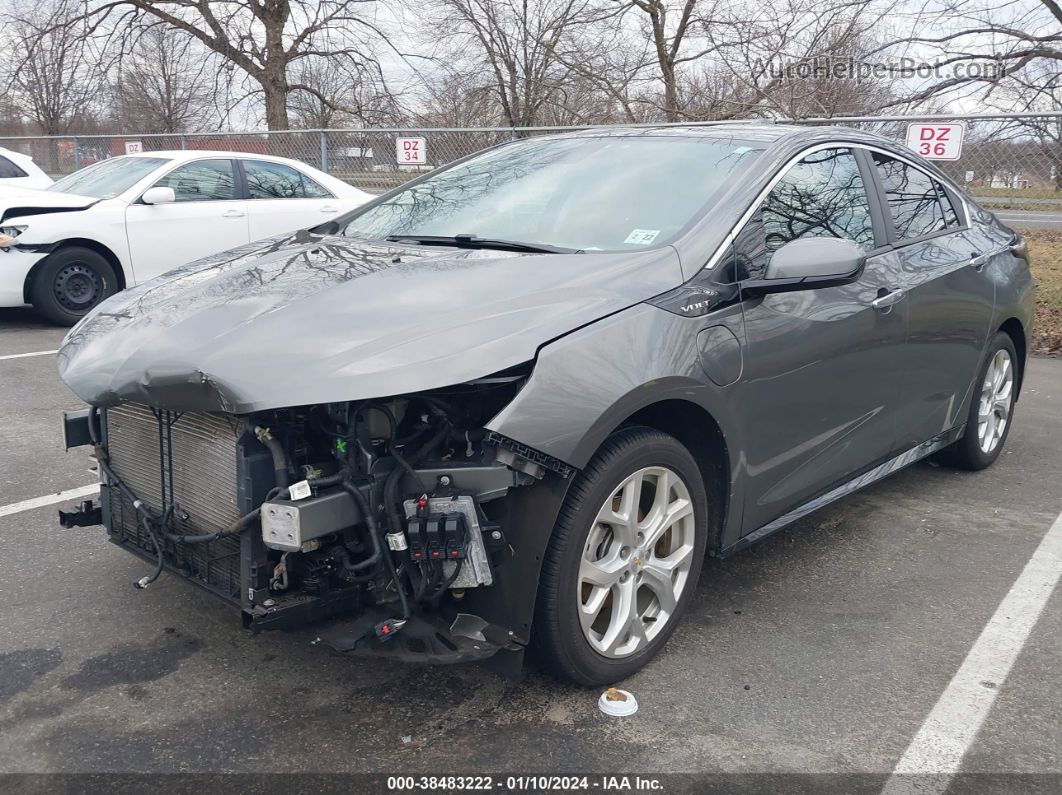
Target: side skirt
(916, 453)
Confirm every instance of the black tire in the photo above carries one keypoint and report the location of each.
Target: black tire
(70, 282)
(558, 636)
(966, 452)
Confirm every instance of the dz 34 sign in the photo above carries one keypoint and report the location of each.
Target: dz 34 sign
(411, 151)
(935, 141)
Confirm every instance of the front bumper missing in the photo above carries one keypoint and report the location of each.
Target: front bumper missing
(423, 638)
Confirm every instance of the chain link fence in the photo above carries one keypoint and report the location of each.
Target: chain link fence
(1008, 161)
(1011, 163)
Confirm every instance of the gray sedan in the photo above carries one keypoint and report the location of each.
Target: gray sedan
(514, 402)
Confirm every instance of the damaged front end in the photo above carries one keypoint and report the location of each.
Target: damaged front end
(415, 530)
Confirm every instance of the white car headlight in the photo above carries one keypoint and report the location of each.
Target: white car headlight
(8, 234)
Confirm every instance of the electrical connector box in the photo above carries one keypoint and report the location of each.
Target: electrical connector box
(449, 531)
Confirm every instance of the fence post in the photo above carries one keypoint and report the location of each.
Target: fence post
(184, 142)
(324, 151)
(77, 155)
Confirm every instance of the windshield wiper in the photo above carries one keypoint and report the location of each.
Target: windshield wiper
(471, 241)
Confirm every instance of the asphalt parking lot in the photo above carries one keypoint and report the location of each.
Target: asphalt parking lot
(820, 650)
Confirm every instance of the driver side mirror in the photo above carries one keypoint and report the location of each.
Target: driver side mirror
(159, 196)
(810, 262)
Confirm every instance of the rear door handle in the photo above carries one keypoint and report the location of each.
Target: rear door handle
(886, 302)
(328, 208)
(978, 261)
(232, 214)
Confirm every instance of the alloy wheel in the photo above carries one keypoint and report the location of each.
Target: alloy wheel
(636, 562)
(997, 398)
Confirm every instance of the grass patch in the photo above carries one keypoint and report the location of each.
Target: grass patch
(983, 191)
(1017, 204)
(1045, 253)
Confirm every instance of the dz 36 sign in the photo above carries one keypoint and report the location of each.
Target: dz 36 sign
(935, 141)
(411, 151)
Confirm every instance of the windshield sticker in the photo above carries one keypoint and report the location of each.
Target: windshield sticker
(642, 237)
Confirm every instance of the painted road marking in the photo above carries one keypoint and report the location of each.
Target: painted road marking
(935, 754)
(26, 355)
(50, 499)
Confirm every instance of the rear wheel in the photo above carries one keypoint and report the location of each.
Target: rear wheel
(991, 409)
(624, 558)
(70, 282)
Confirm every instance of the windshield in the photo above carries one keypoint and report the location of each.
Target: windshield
(108, 178)
(603, 193)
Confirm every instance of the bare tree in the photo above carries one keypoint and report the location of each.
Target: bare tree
(516, 42)
(611, 76)
(797, 59)
(264, 39)
(980, 45)
(668, 26)
(165, 84)
(55, 70)
(456, 98)
(336, 92)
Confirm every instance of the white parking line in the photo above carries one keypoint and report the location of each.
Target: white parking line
(26, 355)
(50, 499)
(935, 754)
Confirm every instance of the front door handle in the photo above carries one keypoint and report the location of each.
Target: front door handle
(232, 214)
(885, 302)
(328, 208)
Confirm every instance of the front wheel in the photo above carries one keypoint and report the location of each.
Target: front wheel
(624, 558)
(71, 281)
(991, 409)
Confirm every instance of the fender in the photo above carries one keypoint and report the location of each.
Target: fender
(588, 383)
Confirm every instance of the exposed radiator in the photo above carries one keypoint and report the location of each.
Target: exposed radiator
(187, 461)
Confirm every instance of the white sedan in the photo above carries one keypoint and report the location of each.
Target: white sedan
(19, 171)
(128, 219)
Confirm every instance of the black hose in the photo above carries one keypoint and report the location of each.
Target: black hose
(370, 525)
(241, 524)
(149, 528)
(374, 534)
(276, 450)
(394, 477)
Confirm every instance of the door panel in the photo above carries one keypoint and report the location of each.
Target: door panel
(270, 217)
(951, 307)
(950, 302)
(822, 376)
(822, 366)
(163, 236)
(205, 219)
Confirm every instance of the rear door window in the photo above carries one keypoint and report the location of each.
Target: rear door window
(9, 170)
(267, 180)
(915, 200)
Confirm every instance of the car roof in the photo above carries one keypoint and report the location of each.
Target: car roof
(763, 131)
(195, 154)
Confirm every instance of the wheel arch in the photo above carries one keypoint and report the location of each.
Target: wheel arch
(92, 245)
(699, 432)
(1014, 329)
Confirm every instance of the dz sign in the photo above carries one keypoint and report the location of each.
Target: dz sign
(935, 141)
(411, 151)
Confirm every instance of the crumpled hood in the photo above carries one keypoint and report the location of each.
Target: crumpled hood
(18, 201)
(306, 319)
